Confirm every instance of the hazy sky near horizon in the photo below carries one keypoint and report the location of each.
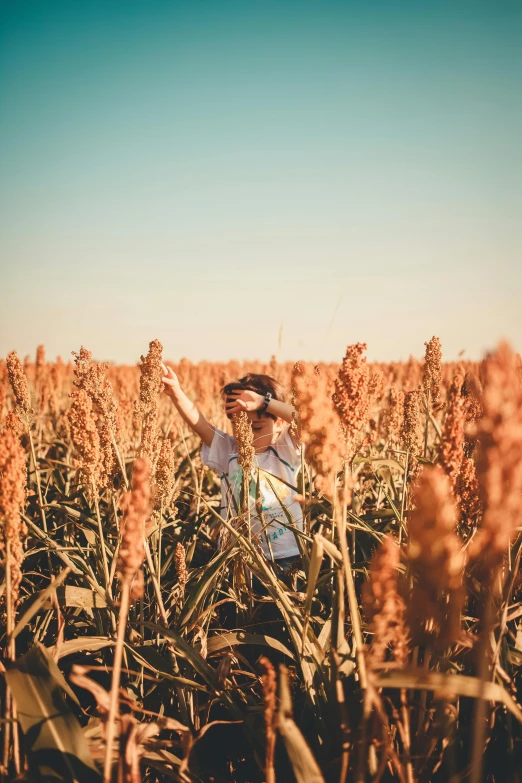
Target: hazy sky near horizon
(235, 177)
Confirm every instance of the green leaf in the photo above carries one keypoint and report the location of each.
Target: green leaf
(201, 586)
(84, 644)
(208, 674)
(54, 740)
(472, 687)
(224, 640)
(306, 769)
(39, 602)
(379, 462)
(152, 660)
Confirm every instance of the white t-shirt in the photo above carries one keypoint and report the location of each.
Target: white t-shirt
(282, 460)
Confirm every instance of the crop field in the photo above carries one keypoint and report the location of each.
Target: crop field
(146, 637)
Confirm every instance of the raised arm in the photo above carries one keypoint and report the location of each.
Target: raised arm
(247, 400)
(188, 411)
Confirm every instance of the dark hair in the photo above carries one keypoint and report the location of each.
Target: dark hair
(259, 383)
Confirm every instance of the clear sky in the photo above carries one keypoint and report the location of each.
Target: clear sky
(234, 176)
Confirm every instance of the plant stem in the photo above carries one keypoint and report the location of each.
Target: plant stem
(426, 427)
(403, 499)
(479, 718)
(8, 697)
(10, 712)
(115, 686)
(102, 541)
(350, 589)
(405, 713)
(39, 488)
(163, 614)
(159, 542)
(120, 461)
(507, 597)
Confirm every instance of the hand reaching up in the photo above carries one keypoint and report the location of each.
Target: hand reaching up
(170, 382)
(243, 400)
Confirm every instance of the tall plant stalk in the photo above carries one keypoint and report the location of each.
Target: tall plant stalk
(115, 685)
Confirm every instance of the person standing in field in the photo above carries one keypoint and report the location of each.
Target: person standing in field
(277, 461)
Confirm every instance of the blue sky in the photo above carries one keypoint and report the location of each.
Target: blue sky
(216, 173)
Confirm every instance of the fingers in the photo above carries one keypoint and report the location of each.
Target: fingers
(235, 401)
(168, 375)
(236, 396)
(168, 371)
(231, 407)
(235, 407)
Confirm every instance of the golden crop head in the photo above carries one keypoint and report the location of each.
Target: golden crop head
(136, 507)
(18, 381)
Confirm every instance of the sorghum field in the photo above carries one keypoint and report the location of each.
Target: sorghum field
(136, 647)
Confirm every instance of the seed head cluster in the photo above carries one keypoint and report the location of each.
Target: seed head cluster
(352, 396)
(151, 374)
(180, 565)
(18, 381)
(244, 437)
(136, 507)
(164, 476)
(393, 416)
(472, 391)
(385, 607)
(40, 359)
(150, 390)
(13, 423)
(431, 374)
(13, 479)
(452, 441)
(468, 493)
(3, 396)
(412, 424)
(85, 437)
(499, 459)
(319, 425)
(297, 370)
(436, 559)
(91, 377)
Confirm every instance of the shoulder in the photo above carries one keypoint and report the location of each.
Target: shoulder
(218, 454)
(288, 447)
(287, 438)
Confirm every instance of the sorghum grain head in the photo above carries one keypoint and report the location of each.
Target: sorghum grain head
(499, 459)
(136, 506)
(13, 479)
(431, 375)
(18, 382)
(384, 606)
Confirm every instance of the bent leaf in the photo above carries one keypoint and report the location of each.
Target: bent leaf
(84, 644)
(472, 687)
(224, 640)
(54, 740)
(42, 599)
(304, 764)
(208, 576)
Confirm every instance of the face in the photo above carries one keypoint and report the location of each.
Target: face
(266, 430)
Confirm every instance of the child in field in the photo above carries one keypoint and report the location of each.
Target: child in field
(276, 463)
